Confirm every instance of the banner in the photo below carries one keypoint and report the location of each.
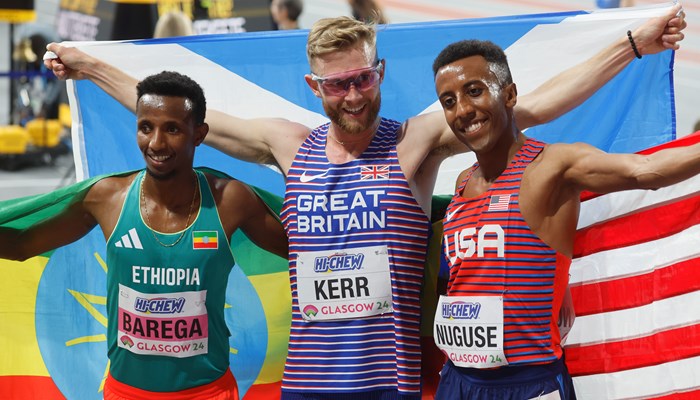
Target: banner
(57, 330)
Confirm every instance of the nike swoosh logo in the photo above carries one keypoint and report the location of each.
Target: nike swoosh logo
(308, 178)
(452, 214)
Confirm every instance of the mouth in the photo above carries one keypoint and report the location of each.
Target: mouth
(159, 159)
(473, 127)
(354, 110)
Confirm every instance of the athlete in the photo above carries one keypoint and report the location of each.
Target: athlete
(167, 229)
(509, 231)
(358, 193)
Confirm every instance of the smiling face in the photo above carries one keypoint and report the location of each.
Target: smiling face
(167, 134)
(357, 111)
(477, 107)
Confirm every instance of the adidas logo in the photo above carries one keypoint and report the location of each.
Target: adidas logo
(130, 240)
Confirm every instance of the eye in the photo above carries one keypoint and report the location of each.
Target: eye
(474, 91)
(343, 83)
(363, 78)
(144, 128)
(447, 102)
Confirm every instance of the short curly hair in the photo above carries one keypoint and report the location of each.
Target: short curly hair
(169, 83)
(492, 53)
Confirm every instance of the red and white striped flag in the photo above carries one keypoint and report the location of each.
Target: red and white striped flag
(635, 283)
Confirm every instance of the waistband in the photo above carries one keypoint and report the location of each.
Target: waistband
(510, 374)
(217, 389)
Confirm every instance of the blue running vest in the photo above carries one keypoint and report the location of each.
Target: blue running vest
(343, 208)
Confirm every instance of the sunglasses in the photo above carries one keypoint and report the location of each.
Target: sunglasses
(339, 84)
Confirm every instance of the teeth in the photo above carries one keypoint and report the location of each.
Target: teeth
(160, 158)
(353, 110)
(474, 127)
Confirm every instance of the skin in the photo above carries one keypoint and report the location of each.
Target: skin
(424, 141)
(551, 186)
(280, 15)
(167, 137)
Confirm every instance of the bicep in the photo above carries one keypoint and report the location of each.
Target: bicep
(600, 172)
(260, 140)
(264, 228)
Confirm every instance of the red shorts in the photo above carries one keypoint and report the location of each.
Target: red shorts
(224, 388)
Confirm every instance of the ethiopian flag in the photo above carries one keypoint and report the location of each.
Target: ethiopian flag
(205, 240)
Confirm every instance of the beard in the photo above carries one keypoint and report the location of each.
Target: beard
(353, 126)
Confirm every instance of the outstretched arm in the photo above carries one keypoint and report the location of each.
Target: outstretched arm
(262, 140)
(67, 227)
(572, 87)
(594, 170)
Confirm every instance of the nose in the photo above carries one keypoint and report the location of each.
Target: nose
(157, 141)
(465, 108)
(353, 93)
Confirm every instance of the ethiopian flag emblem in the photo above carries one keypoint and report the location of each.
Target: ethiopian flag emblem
(205, 240)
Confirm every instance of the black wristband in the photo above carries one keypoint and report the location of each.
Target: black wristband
(634, 46)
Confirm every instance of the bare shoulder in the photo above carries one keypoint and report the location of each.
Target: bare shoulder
(289, 131)
(566, 152)
(425, 126)
(230, 193)
(111, 190)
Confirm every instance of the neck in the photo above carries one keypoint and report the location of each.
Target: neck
(172, 191)
(288, 25)
(493, 162)
(350, 140)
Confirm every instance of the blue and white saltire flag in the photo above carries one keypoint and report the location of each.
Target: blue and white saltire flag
(261, 75)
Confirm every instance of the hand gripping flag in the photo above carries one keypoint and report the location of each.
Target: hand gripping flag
(53, 309)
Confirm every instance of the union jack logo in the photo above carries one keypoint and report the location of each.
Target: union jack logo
(374, 172)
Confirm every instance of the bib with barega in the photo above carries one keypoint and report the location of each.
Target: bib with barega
(344, 284)
(469, 330)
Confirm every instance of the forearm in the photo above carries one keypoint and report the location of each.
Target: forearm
(114, 81)
(18, 245)
(572, 87)
(668, 167)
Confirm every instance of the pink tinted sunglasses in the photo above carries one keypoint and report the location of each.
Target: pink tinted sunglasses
(339, 84)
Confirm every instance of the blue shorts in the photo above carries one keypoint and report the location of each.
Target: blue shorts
(506, 383)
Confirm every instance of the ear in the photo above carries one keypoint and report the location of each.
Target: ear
(313, 85)
(511, 95)
(200, 133)
(382, 71)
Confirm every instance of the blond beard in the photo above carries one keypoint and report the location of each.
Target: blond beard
(350, 126)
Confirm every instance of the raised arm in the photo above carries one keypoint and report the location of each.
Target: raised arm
(262, 140)
(572, 87)
(76, 64)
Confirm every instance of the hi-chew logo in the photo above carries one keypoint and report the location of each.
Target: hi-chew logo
(338, 262)
(161, 305)
(461, 310)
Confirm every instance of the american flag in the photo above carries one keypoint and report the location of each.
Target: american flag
(635, 283)
(499, 202)
(374, 172)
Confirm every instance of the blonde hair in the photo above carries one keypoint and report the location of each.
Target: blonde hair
(329, 35)
(173, 23)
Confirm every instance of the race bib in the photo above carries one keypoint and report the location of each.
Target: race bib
(343, 284)
(469, 330)
(163, 324)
